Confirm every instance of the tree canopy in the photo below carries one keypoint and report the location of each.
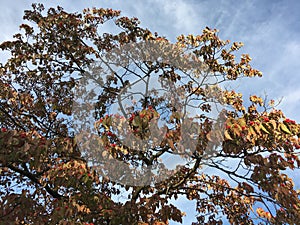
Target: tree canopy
(105, 122)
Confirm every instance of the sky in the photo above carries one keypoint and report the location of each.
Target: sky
(270, 30)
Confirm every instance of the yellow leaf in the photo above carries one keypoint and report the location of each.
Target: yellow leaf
(257, 129)
(273, 122)
(284, 128)
(208, 136)
(264, 129)
(236, 131)
(227, 136)
(251, 131)
(242, 122)
(249, 135)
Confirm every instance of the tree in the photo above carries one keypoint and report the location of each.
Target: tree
(69, 156)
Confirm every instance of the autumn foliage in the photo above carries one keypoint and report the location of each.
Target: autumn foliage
(53, 174)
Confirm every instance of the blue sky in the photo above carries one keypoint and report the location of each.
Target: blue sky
(270, 30)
